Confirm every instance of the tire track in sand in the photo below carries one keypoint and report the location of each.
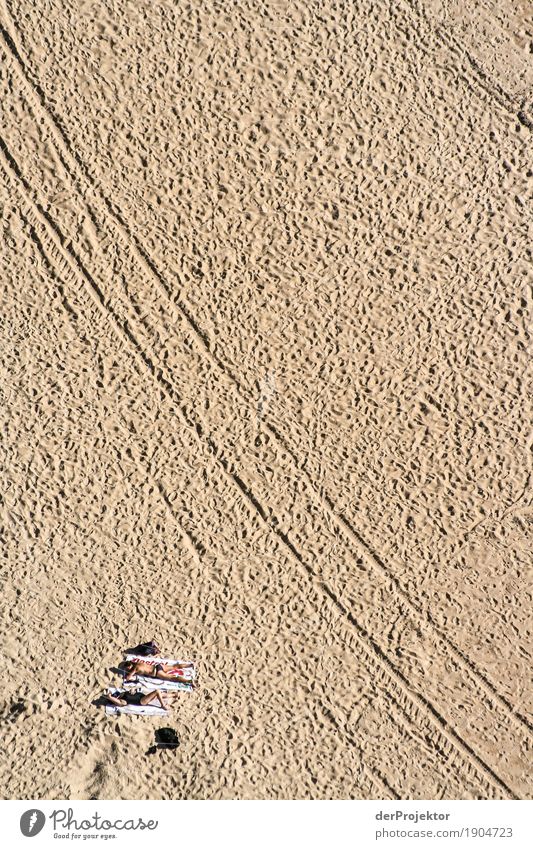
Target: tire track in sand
(37, 98)
(405, 724)
(455, 46)
(372, 774)
(374, 654)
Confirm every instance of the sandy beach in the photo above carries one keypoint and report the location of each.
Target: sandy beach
(265, 392)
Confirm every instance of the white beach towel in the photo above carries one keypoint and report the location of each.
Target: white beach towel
(147, 684)
(153, 683)
(135, 710)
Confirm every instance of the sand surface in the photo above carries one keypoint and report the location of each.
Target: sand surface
(265, 394)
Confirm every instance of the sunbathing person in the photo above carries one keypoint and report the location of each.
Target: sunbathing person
(124, 698)
(163, 671)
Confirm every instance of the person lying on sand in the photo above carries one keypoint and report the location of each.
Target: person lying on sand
(163, 671)
(124, 698)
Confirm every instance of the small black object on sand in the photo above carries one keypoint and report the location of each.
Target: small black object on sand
(165, 738)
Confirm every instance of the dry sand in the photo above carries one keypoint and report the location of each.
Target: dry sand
(265, 394)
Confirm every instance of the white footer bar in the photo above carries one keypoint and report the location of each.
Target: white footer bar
(272, 824)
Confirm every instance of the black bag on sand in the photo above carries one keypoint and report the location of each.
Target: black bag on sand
(166, 738)
(145, 649)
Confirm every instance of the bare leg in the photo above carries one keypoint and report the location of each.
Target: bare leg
(164, 676)
(172, 668)
(150, 697)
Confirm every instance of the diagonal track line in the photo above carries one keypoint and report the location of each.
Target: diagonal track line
(372, 773)
(323, 501)
(121, 328)
(454, 45)
(190, 543)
